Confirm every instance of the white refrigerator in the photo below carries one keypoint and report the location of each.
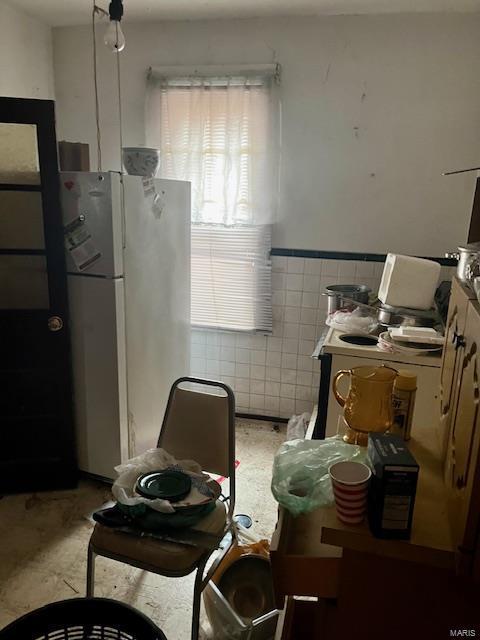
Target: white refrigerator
(128, 261)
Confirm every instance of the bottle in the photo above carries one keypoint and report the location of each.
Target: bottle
(404, 390)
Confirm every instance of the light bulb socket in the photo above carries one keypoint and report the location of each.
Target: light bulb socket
(115, 10)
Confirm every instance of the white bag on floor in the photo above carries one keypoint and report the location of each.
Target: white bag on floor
(297, 427)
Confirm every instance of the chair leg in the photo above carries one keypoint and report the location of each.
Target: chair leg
(197, 593)
(90, 571)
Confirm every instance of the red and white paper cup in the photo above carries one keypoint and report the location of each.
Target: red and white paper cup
(350, 485)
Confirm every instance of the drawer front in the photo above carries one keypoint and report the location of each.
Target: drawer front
(301, 564)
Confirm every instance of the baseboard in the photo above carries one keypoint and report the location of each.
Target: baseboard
(92, 476)
(254, 416)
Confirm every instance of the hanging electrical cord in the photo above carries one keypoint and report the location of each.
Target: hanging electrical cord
(115, 41)
(120, 121)
(100, 12)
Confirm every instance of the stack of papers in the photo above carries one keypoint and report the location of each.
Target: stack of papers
(424, 335)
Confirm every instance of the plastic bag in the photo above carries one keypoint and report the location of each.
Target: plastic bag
(356, 321)
(300, 480)
(297, 426)
(225, 623)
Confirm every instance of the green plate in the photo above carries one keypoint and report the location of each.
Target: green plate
(168, 485)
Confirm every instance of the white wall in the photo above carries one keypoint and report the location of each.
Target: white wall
(26, 64)
(411, 86)
(374, 109)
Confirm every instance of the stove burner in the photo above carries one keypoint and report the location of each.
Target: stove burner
(361, 340)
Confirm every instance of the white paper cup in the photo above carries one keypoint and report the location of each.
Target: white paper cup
(350, 485)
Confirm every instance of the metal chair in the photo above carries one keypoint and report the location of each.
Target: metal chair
(199, 426)
(83, 618)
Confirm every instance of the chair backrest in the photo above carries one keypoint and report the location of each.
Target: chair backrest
(199, 424)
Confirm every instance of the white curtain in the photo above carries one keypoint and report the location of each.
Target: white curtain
(219, 133)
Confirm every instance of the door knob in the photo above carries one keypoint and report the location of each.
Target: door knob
(55, 323)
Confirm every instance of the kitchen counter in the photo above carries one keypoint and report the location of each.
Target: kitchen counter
(431, 540)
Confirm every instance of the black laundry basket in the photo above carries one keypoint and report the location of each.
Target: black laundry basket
(83, 619)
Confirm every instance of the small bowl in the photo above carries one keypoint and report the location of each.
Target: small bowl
(141, 161)
(169, 484)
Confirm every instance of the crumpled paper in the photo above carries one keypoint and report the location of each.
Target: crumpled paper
(123, 488)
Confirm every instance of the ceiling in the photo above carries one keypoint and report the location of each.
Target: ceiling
(72, 12)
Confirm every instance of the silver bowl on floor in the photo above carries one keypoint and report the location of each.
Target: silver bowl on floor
(247, 586)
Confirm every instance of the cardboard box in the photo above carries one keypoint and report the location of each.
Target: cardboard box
(73, 156)
(393, 486)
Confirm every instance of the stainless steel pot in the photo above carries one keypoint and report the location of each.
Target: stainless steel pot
(396, 317)
(336, 293)
(468, 257)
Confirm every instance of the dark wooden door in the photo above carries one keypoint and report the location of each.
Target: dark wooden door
(36, 425)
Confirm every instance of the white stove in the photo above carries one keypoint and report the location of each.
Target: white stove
(335, 354)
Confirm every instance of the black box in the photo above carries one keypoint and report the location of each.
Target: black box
(391, 494)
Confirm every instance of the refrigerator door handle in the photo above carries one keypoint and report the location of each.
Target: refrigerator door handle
(122, 209)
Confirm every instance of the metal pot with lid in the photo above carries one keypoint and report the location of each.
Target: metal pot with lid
(468, 257)
(337, 292)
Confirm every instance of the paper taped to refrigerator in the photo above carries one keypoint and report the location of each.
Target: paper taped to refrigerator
(157, 200)
(79, 244)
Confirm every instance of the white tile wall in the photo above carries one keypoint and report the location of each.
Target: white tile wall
(275, 375)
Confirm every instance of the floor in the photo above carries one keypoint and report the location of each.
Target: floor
(44, 537)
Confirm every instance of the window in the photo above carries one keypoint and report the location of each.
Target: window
(216, 132)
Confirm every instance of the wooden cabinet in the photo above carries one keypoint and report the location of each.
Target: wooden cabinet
(434, 576)
(452, 354)
(462, 472)
(359, 584)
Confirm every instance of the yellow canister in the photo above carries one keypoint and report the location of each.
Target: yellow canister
(404, 390)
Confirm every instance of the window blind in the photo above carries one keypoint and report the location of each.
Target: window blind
(231, 277)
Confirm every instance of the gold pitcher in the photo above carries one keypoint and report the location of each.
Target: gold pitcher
(368, 405)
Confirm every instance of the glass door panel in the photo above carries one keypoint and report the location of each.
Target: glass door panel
(23, 282)
(23, 273)
(19, 154)
(21, 220)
